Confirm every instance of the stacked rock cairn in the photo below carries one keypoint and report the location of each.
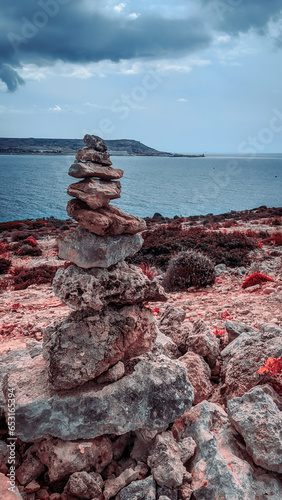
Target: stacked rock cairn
(111, 323)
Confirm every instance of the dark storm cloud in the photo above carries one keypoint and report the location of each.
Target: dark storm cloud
(45, 31)
(10, 77)
(235, 16)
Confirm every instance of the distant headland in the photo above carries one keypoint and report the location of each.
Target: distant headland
(118, 147)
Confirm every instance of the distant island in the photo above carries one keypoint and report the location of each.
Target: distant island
(118, 147)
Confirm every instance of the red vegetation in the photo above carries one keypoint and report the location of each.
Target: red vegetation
(256, 279)
(166, 240)
(147, 270)
(33, 276)
(273, 366)
(274, 239)
(5, 265)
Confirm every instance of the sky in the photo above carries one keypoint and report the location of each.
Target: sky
(186, 76)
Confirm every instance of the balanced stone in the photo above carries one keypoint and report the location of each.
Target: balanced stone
(86, 154)
(152, 397)
(96, 288)
(85, 345)
(87, 250)
(91, 169)
(95, 142)
(95, 192)
(104, 221)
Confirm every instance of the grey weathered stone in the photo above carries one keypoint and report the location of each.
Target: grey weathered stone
(235, 329)
(4, 456)
(114, 485)
(90, 169)
(84, 345)
(152, 397)
(96, 288)
(139, 490)
(5, 492)
(66, 457)
(112, 374)
(245, 355)
(95, 142)
(257, 418)
(202, 341)
(164, 345)
(105, 221)
(171, 324)
(165, 462)
(87, 486)
(198, 374)
(217, 471)
(87, 250)
(30, 469)
(89, 154)
(95, 192)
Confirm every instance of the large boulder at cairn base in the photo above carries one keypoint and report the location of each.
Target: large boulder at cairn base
(86, 154)
(95, 142)
(105, 221)
(86, 344)
(88, 250)
(90, 169)
(95, 192)
(96, 288)
(152, 397)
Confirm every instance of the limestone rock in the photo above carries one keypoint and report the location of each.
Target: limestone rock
(198, 374)
(90, 169)
(95, 142)
(5, 487)
(164, 345)
(202, 341)
(84, 345)
(171, 324)
(87, 250)
(30, 469)
(257, 418)
(96, 288)
(66, 457)
(95, 192)
(235, 329)
(139, 490)
(4, 456)
(152, 397)
(105, 221)
(217, 472)
(245, 355)
(112, 374)
(89, 154)
(85, 485)
(113, 486)
(165, 462)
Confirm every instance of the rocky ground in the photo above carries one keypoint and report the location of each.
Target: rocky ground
(246, 327)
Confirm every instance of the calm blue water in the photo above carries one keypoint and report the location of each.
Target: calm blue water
(35, 186)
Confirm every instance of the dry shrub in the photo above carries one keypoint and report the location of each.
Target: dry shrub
(187, 269)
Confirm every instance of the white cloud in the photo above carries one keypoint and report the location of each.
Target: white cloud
(182, 99)
(118, 8)
(56, 108)
(134, 15)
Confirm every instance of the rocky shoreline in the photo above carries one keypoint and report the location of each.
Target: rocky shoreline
(126, 390)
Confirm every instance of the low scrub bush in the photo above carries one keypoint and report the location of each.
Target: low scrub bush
(24, 277)
(27, 247)
(5, 265)
(164, 241)
(189, 268)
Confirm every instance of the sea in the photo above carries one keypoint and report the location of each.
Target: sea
(34, 187)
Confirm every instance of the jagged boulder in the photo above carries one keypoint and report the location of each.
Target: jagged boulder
(86, 344)
(96, 288)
